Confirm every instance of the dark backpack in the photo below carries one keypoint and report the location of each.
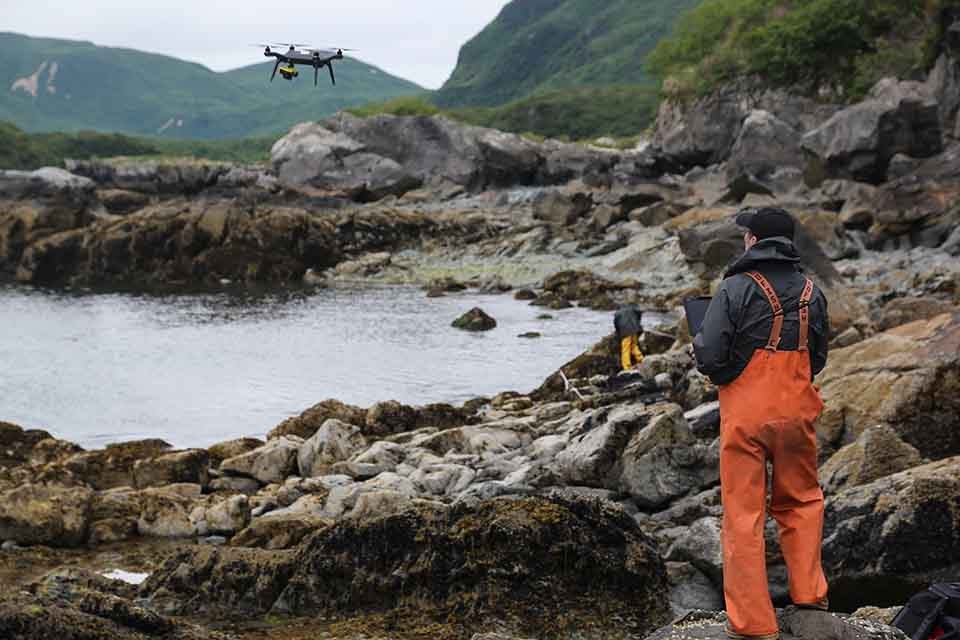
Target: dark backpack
(933, 614)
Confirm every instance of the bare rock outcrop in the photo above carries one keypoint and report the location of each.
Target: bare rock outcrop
(906, 378)
(859, 141)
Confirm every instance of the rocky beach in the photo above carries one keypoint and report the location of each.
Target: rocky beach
(585, 508)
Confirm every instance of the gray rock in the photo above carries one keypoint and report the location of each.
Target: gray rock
(705, 420)
(562, 209)
(190, 466)
(247, 486)
(475, 320)
(872, 532)
(663, 461)
(703, 131)
(315, 156)
(226, 517)
(690, 589)
(49, 515)
(335, 441)
(877, 453)
(45, 182)
(765, 146)
(859, 142)
(273, 462)
(164, 177)
(700, 545)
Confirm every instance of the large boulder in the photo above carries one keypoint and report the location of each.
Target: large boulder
(44, 183)
(88, 614)
(886, 540)
(561, 209)
(859, 142)
(907, 378)
(375, 156)
(307, 423)
(17, 444)
(647, 452)
(113, 466)
(334, 442)
(703, 131)
(153, 177)
(766, 157)
(475, 320)
(203, 240)
(315, 156)
(190, 466)
(439, 149)
(877, 453)
(520, 560)
(48, 515)
(919, 207)
(271, 463)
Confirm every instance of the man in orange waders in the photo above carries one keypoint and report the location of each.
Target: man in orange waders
(763, 339)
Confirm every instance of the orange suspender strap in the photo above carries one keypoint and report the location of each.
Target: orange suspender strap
(774, 301)
(805, 314)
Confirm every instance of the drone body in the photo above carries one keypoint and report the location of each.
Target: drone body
(301, 54)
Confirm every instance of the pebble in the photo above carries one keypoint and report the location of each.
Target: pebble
(216, 541)
(10, 545)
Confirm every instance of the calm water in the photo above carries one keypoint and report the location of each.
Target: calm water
(198, 369)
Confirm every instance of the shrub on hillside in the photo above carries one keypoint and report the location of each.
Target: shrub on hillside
(843, 46)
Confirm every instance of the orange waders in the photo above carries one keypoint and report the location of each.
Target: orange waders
(767, 414)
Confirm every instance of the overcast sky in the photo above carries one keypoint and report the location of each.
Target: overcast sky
(414, 39)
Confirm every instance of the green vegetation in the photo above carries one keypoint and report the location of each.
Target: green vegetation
(20, 150)
(62, 85)
(537, 46)
(841, 46)
(578, 114)
(575, 114)
(403, 106)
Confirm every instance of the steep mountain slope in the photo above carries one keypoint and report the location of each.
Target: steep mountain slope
(537, 45)
(62, 85)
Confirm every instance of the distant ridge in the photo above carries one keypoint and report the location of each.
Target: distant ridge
(536, 46)
(65, 85)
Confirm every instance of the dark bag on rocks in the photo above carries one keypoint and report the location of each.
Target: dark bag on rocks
(933, 614)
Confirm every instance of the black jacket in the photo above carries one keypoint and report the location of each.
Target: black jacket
(628, 321)
(739, 319)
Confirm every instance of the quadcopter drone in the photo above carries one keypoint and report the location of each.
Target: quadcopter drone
(304, 55)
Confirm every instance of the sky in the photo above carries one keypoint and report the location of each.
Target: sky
(415, 39)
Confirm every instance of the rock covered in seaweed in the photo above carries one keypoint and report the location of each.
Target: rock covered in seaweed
(516, 559)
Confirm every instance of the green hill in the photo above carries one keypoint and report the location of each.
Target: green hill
(838, 48)
(63, 85)
(538, 46)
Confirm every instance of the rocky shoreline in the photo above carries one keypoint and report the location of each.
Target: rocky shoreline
(504, 511)
(588, 507)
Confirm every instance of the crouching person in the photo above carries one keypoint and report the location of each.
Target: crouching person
(628, 324)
